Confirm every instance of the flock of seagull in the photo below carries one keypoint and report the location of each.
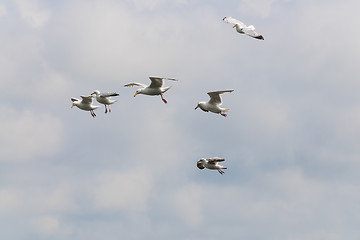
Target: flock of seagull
(156, 88)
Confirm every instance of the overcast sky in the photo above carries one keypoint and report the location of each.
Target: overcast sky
(291, 139)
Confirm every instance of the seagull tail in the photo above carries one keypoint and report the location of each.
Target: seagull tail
(167, 88)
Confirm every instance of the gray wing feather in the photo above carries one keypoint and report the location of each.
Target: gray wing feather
(135, 84)
(87, 99)
(109, 94)
(215, 97)
(215, 159)
(234, 21)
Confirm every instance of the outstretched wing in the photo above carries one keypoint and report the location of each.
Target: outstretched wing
(135, 84)
(234, 21)
(251, 32)
(215, 159)
(87, 99)
(157, 82)
(109, 94)
(215, 97)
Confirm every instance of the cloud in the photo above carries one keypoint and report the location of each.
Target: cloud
(126, 191)
(26, 135)
(34, 13)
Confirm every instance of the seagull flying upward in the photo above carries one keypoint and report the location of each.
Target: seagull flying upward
(213, 105)
(242, 28)
(105, 98)
(211, 163)
(155, 88)
(85, 104)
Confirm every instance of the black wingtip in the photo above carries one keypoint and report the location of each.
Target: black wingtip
(260, 37)
(224, 18)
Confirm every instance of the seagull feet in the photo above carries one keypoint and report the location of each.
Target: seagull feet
(224, 114)
(92, 113)
(109, 110)
(106, 110)
(164, 100)
(221, 172)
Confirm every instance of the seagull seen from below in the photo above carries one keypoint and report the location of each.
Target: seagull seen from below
(85, 104)
(211, 163)
(105, 98)
(242, 28)
(155, 88)
(213, 105)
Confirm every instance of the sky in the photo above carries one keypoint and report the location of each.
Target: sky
(290, 141)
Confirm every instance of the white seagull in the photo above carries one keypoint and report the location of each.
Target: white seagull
(155, 88)
(105, 98)
(211, 163)
(213, 105)
(242, 28)
(85, 104)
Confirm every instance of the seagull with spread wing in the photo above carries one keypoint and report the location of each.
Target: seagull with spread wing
(213, 105)
(211, 163)
(155, 88)
(85, 104)
(105, 98)
(242, 28)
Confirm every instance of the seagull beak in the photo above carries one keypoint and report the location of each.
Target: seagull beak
(135, 94)
(72, 106)
(234, 26)
(196, 107)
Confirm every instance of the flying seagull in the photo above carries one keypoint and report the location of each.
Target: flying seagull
(211, 163)
(105, 98)
(242, 28)
(85, 104)
(155, 88)
(213, 105)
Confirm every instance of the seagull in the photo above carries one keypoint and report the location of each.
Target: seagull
(104, 98)
(85, 104)
(213, 105)
(155, 88)
(211, 163)
(242, 28)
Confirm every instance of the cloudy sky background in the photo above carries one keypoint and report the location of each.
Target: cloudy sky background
(291, 140)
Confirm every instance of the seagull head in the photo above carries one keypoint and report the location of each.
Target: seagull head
(96, 92)
(201, 164)
(198, 105)
(137, 92)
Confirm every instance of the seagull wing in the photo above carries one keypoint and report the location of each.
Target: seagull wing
(251, 32)
(234, 21)
(215, 160)
(87, 99)
(215, 97)
(109, 94)
(135, 84)
(156, 82)
(74, 99)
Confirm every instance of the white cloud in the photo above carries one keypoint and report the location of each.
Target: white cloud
(129, 190)
(260, 7)
(33, 12)
(26, 135)
(9, 200)
(188, 203)
(3, 11)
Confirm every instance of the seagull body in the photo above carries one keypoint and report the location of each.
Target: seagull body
(242, 28)
(211, 163)
(105, 98)
(85, 104)
(213, 105)
(155, 88)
